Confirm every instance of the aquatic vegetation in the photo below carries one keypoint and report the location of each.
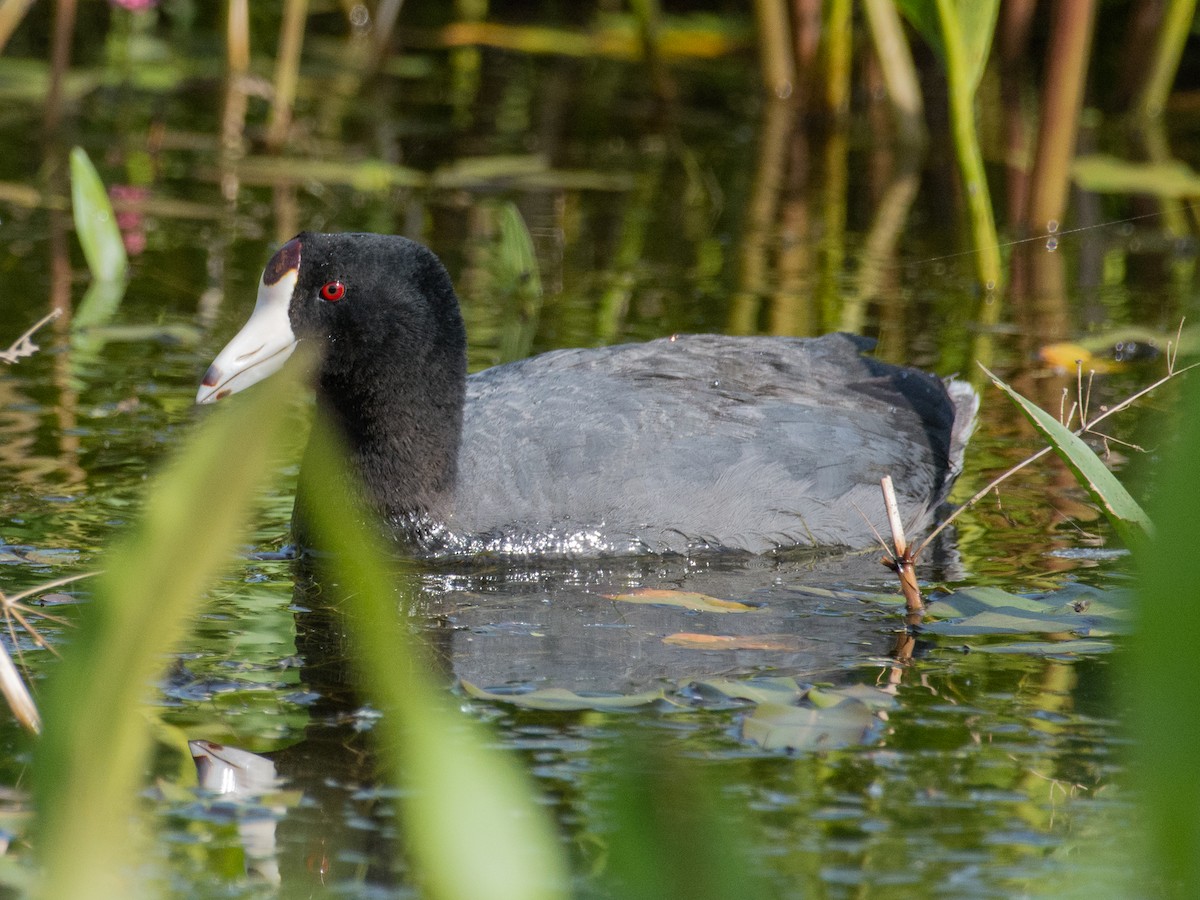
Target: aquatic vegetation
(595, 175)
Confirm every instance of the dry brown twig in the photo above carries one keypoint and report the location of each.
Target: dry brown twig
(12, 685)
(902, 556)
(24, 345)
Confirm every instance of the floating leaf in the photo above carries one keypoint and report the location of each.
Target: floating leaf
(1066, 356)
(1111, 175)
(95, 223)
(686, 599)
(786, 642)
(780, 690)
(1080, 647)
(561, 699)
(988, 610)
(367, 176)
(777, 727)
(873, 697)
(1129, 519)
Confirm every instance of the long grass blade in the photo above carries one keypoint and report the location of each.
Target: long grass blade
(89, 764)
(474, 828)
(95, 223)
(1126, 516)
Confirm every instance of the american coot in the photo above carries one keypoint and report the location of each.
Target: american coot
(682, 444)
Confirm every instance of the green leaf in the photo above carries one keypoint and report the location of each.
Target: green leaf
(1160, 671)
(1064, 649)
(472, 821)
(1111, 175)
(671, 832)
(976, 22)
(517, 262)
(781, 690)
(777, 727)
(1076, 609)
(1126, 516)
(99, 304)
(95, 223)
(90, 761)
(561, 699)
(518, 282)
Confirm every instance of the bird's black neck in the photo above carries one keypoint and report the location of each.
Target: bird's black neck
(400, 415)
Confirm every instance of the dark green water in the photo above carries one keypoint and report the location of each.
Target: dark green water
(992, 774)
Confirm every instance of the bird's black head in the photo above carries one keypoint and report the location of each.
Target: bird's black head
(392, 347)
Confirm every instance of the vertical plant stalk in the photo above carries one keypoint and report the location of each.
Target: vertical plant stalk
(287, 71)
(966, 145)
(237, 37)
(60, 59)
(899, 71)
(903, 556)
(878, 255)
(838, 42)
(233, 117)
(466, 63)
(1157, 148)
(834, 214)
(754, 277)
(386, 15)
(775, 54)
(649, 17)
(1165, 62)
(1062, 98)
(637, 221)
(1012, 40)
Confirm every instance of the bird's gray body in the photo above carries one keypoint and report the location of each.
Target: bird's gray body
(701, 441)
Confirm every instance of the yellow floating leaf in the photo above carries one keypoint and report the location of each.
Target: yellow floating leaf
(1067, 356)
(733, 641)
(686, 599)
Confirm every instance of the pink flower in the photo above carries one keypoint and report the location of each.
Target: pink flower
(133, 5)
(128, 200)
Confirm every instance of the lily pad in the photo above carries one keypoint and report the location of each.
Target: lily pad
(778, 690)
(790, 691)
(987, 610)
(686, 599)
(1079, 647)
(561, 699)
(775, 726)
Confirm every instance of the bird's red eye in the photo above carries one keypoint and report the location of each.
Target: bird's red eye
(333, 291)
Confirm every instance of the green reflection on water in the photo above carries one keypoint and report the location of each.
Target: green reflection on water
(995, 775)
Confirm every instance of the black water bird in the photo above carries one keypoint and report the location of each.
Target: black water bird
(679, 445)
